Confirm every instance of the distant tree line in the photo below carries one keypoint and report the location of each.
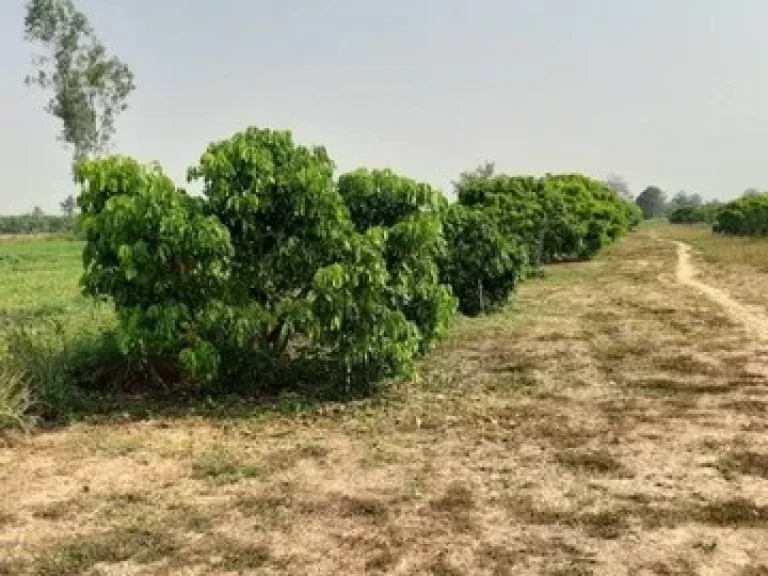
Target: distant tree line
(38, 222)
(681, 208)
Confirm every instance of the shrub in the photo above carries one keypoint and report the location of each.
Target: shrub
(278, 264)
(515, 204)
(558, 217)
(265, 268)
(482, 265)
(695, 214)
(287, 222)
(152, 251)
(409, 213)
(746, 216)
(355, 323)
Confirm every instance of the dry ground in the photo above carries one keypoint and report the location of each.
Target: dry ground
(613, 421)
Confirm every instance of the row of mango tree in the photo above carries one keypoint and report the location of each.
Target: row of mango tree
(281, 262)
(745, 216)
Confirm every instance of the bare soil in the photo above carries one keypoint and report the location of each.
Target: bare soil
(612, 421)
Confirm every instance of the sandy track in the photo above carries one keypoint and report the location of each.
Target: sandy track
(752, 319)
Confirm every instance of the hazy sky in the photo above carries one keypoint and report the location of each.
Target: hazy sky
(667, 92)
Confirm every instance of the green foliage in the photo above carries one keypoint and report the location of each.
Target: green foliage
(746, 216)
(383, 198)
(558, 217)
(152, 251)
(409, 213)
(482, 265)
(353, 318)
(706, 213)
(291, 234)
(286, 221)
(266, 267)
(89, 87)
(584, 215)
(515, 204)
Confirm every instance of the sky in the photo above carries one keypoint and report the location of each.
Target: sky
(672, 93)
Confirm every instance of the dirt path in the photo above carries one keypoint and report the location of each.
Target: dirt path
(751, 318)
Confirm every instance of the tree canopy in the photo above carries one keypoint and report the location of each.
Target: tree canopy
(652, 201)
(88, 87)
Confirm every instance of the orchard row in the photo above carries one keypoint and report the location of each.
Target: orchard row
(279, 259)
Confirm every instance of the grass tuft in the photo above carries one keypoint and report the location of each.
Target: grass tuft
(79, 555)
(15, 399)
(222, 467)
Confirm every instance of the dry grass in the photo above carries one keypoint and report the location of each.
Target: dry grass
(611, 421)
(744, 462)
(737, 265)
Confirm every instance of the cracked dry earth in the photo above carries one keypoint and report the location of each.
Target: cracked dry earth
(612, 421)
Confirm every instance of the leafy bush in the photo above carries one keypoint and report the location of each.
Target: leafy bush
(482, 265)
(302, 274)
(277, 264)
(558, 217)
(746, 216)
(152, 251)
(409, 214)
(267, 267)
(695, 214)
(383, 198)
(515, 204)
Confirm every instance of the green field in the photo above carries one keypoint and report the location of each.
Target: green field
(39, 289)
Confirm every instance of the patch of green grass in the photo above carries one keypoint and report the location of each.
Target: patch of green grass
(222, 467)
(79, 555)
(46, 325)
